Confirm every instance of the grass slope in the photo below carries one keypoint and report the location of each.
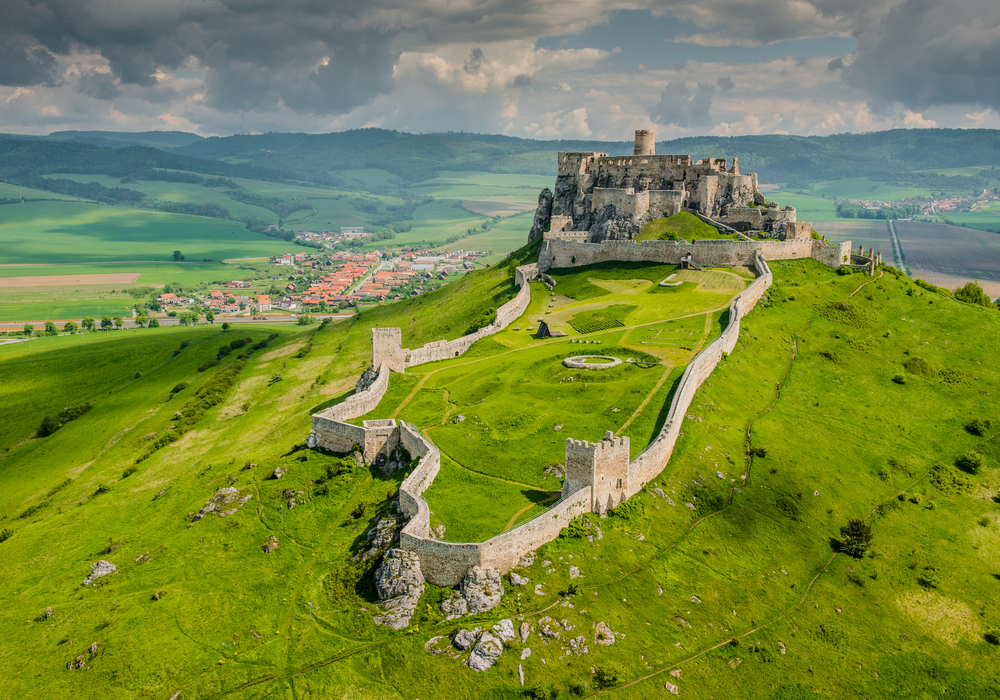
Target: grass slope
(841, 440)
(680, 226)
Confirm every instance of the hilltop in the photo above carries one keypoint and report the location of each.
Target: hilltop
(845, 397)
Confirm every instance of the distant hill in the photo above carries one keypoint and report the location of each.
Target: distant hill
(888, 156)
(879, 155)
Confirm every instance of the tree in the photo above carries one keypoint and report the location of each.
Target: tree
(140, 320)
(50, 328)
(88, 323)
(28, 329)
(178, 256)
(70, 327)
(118, 322)
(857, 537)
(225, 327)
(972, 293)
(106, 323)
(210, 316)
(153, 323)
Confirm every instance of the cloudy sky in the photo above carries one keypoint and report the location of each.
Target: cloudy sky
(531, 68)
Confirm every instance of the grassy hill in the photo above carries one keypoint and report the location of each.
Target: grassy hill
(852, 395)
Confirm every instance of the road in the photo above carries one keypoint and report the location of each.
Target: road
(219, 320)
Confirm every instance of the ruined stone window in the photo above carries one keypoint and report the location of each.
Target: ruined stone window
(619, 483)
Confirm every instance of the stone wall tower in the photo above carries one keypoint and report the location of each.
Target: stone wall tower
(644, 143)
(601, 465)
(387, 348)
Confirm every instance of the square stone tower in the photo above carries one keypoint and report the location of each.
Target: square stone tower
(387, 347)
(601, 465)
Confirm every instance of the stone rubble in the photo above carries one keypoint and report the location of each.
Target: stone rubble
(504, 630)
(480, 590)
(270, 544)
(574, 572)
(525, 631)
(526, 561)
(99, 569)
(518, 580)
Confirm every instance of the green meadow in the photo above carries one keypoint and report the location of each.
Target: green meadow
(845, 397)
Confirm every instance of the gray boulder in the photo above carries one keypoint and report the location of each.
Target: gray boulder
(543, 215)
(400, 584)
(398, 575)
(486, 652)
(518, 580)
(504, 630)
(482, 589)
(99, 569)
(464, 639)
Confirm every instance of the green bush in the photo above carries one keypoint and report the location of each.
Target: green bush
(50, 424)
(919, 367)
(129, 472)
(102, 488)
(978, 426)
(6, 534)
(993, 636)
(929, 577)
(899, 379)
(971, 462)
(607, 677)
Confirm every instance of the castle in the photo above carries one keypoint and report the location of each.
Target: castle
(600, 475)
(601, 197)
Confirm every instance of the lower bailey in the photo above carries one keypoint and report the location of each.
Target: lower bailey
(599, 476)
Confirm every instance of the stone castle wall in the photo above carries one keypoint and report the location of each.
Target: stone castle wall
(387, 342)
(362, 402)
(559, 253)
(654, 458)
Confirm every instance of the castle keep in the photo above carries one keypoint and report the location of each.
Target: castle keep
(610, 197)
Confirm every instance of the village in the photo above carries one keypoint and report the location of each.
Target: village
(323, 283)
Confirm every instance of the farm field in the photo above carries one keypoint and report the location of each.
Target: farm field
(871, 234)
(149, 273)
(64, 309)
(950, 256)
(8, 191)
(500, 206)
(665, 578)
(807, 207)
(53, 232)
(982, 219)
(863, 188)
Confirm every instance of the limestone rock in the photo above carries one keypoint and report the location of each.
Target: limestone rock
(527, 560)
(518, 580)
(208, 508)
(579, 645)
(464, 639)
(99, 569)
(525, 653)
(270, 544)
(277, 473)
(311, 441)
(366, 380)
(383, 535)
(574, 572)
(520, 674)
(225, 495)
(486, 652)
(47, 614)
(543, 215)
(525, 631)
(482, 589)
(398, 575)
(504, 630)
(603, 634)
(455, 606)
(400, 584)
(547, 627)
(433, 645)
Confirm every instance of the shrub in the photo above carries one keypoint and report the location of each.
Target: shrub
(179, 388)
(6, 534)
(758, 451)
(978, 426)
(971, 462)
(993, 636)
(575, 529)
(50, 424)
(899, 379)
(972, 293)
(919, 367)
(607, 677)
(102, 488)
(129, 472)
(856, 537)
(929, 577)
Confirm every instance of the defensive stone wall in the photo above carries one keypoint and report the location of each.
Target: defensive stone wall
(387, 342)
(654, 458)
(559, 253)
(362, 402)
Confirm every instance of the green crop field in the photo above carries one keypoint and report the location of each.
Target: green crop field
(54, 232)
(863, 188)
(732, 576)
(807, 207)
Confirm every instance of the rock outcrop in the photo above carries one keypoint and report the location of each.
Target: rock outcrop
(481, 590)
(486, 652)
(99, 569)
(543, 215)
(400, 584)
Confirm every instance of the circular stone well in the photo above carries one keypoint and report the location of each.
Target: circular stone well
(591, 362)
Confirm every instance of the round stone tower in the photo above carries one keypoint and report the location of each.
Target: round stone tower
(644, 143)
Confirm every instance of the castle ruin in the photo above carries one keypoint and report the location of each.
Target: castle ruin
(598, 197)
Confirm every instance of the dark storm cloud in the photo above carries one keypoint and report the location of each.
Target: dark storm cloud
(726, 83)
(931, 52)
(474, 62)
(99, 85)
(23, 63)
(314, 56)
(683, 107)
(520, 81)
